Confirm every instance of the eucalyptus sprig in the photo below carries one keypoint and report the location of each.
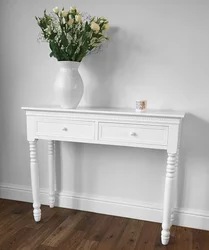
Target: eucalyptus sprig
(70, 36)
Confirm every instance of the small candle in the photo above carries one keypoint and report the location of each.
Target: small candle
(141, 105)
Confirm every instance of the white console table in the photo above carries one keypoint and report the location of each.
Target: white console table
(121, 127)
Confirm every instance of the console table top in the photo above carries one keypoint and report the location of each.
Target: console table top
(110, 111)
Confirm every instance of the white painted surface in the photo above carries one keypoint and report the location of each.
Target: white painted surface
(111, 111)
(35, 180)
(168, 198)
(68, 86)
(51, 173)
(70, 129)
(151, 132)
(126, 133)
(159, 54)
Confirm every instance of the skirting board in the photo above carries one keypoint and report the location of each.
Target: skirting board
(105, 205)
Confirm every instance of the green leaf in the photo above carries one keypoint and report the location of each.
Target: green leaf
(70, 42)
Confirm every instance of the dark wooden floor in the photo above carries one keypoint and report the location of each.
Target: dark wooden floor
(75, 230)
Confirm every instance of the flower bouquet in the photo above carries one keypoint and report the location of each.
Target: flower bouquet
(72, 35)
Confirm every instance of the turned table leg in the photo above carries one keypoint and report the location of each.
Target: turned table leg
(174, 195)
(35, 180)
(168, 198)
(51, 149)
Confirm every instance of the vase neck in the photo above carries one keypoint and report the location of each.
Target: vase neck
(69, 64)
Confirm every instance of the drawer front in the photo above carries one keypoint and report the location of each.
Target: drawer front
(129, 133)
(73, 129)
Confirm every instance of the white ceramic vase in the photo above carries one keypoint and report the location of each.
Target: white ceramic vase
(68, 86)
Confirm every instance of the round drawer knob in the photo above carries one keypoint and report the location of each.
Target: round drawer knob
(132, 134)
(64, 129)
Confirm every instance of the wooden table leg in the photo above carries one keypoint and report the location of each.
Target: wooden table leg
(35, 180)
(168, 197)
(51, 149)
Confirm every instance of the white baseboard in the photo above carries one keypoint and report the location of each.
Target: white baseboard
(106, 205)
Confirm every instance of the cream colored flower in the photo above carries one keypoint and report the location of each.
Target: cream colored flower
(56, 10)
(72, 8)
(64, 13)
(107, 26)
(78, 18)
(71, 21)
(95, 27)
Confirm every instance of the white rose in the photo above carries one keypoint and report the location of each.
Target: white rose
(70, 22)
(95, 27)
(56, 10)
(64, 13)
(107, 26)
(78, 18)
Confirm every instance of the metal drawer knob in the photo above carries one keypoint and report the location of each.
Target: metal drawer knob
(132, 134)
(64, 129)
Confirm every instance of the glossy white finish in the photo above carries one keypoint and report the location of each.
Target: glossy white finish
(35, 180)
(68, 86)
(51, 173)
(128, 133)
(158, 130)
(65, 128)
(174, 194)
(168, 198)
(111, 111)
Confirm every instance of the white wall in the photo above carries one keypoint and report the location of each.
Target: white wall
(159, 50)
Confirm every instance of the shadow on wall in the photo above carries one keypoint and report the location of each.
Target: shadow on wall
(68, 158)
(98, 70)
(101, 72)
(194, 148)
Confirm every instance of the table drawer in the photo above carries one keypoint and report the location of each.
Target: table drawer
(129, 133)
(69, 129)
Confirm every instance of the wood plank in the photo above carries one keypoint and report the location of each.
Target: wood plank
(38, 236)
(87, 222)
(64, 229)
(16, 239)
(130, 235)
(148, 236)
(75, 230)
(42, 247)
(88, 245)
(113, 234)
(87, 228)
(7, 205)
(14, 223)
(200, 239)
(73, 241)
(183, 239)
(12, 210)
(100, 227)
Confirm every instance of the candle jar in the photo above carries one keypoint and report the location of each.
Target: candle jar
(141, 105)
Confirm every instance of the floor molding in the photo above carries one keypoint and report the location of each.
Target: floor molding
(106, 205)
